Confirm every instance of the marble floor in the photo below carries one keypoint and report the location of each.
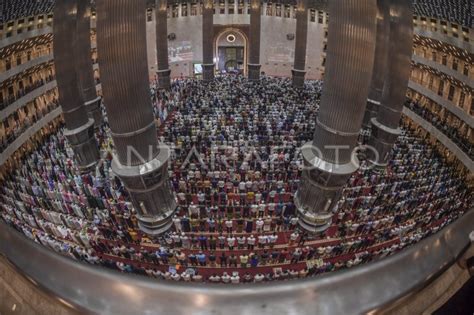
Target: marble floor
(20, 296)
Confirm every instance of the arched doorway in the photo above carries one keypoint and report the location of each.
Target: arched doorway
(231, 51)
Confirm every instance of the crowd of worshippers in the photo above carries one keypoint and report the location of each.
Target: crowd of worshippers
(235, 168)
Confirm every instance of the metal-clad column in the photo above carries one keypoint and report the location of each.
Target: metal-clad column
(162, 44)
(140, 161)
(329, 158)
(84, 63)
(380, 61)
(207, 41)
(253, 66)
(79, 127)
(299, 66)
(385, 127)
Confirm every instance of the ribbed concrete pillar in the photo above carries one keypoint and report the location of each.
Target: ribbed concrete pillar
(162, 44)
(329, 158)
(79, 127)
(385, 127)
(140, 161)
(380, 61)
(253, 66)
(298, 71)
(84, 63)
(207, 41)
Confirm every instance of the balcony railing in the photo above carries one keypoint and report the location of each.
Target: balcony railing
(25, 66)
(25, 91)
(15, 133)
(450, 106)
(27, 133)
(7, 41)
(444, 69)
(444, 38)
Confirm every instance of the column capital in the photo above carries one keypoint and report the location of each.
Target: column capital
(208, 70)
(381, 142)
(84, 145)
(150, 191)
(208, 4)
(94, 111)
(164, 80)
(298, 78)
(253, 71)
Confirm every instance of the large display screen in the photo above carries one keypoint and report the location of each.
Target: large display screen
(197, 68)
(180, 51)
(281, 53)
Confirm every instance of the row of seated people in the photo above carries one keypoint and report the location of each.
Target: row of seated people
(89, 216)
(242, 276)
(462, 140)
(17, 123)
